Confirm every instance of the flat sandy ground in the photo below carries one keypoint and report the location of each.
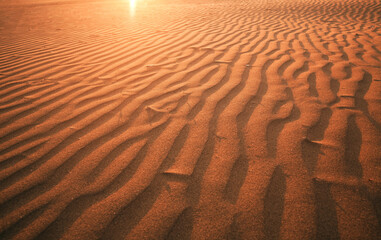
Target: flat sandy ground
(190, 119)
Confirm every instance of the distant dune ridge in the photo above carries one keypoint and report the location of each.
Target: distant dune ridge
(190, 119)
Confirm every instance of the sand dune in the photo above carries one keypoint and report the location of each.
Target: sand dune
(187, 119)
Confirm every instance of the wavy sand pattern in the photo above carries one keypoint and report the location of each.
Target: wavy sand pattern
(190, 119)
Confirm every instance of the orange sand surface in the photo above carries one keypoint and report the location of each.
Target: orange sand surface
(190, 119)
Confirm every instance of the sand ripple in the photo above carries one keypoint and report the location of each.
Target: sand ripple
(190, 120)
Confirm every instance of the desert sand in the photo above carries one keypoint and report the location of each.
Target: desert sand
(190, 119)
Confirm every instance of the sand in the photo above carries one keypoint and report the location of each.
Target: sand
(190, 119)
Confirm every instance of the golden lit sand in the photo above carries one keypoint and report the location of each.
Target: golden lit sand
(190, 119)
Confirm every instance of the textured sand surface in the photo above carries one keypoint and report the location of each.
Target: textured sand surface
(190, 119)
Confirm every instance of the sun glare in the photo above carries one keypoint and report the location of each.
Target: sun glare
(132, 7)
